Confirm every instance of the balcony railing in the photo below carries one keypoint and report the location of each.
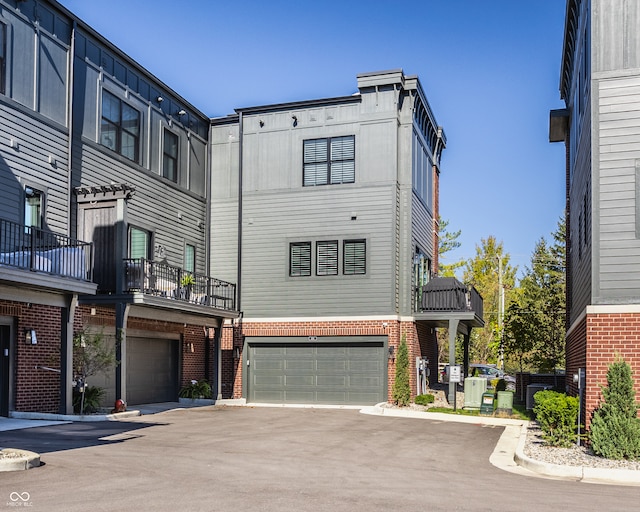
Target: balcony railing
(447, 294)
(162, 280)
(38, 250)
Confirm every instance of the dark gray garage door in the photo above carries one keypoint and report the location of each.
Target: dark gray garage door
(152, 370)
(335, 372)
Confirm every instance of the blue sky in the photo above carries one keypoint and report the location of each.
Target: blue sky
(490, 71)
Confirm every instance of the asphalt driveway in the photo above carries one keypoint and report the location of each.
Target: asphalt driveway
(281, 459)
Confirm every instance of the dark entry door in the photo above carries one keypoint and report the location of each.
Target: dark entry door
(5, 342)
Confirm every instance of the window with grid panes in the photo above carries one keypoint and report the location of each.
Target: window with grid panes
(329, 161)
(354, 257)
(120, 127)
(300, 259)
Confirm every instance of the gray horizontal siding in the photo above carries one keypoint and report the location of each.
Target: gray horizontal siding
(224, 240)
(37, 139)
(580, 261)
(618, 147)
(422, 226)
(173, 214)
(270, 224)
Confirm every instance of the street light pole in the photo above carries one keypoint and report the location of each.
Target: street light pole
(500, 313)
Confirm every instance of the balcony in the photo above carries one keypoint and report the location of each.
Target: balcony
(45, 255)
(165, 281)
(446, 297)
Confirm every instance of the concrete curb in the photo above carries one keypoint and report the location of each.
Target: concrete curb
(505, 457)
(579, 473)
(73, 417)
(379, 410)
(12, 459)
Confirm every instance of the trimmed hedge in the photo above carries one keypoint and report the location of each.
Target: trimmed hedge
(557, 415)
(424, 399)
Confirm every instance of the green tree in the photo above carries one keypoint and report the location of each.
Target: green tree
(92, 354)
(615, 428)
(485, 271)
(447, 242)
(535, 320)
(401, 392)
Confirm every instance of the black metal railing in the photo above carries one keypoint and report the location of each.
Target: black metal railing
(163, 280)
(38, 250)
(449, 294)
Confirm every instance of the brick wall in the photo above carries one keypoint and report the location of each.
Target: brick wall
(417, 344)
(35, 389)
(192, 339)
(609, 336)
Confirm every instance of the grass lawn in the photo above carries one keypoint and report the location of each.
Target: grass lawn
(519, 412)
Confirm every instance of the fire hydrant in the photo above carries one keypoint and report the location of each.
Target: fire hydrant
(119, 406)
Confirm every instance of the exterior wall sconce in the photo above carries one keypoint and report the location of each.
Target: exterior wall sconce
(188, 347)
(236, 353)
(392, 353)
(30, 337)
(261, 123)
(159, 99)
(181, 112)
(295, 120)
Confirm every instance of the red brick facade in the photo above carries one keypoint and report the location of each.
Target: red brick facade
(596, 342)
(420, 341)
(36, 389)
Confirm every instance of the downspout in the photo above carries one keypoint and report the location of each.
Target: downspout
(70, 78)
(240, 151)
(239, 279)
(436, 217)
(71, 302)
(207, 213)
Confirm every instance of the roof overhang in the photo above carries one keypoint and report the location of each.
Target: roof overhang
(466, 320)
(159, 308)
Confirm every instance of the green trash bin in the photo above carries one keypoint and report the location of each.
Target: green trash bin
(486, 407)
(505, 401)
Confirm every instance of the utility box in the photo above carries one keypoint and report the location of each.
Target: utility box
(532, 389)
(487, 404)
(505, 402)
(474, 387)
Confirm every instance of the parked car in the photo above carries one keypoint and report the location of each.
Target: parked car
(444, 375)
(486, 371)
(490, 372)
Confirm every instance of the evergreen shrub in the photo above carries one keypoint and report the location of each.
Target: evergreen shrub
(401, 391)
(424, 399)
(615, 427)
(557, 415)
